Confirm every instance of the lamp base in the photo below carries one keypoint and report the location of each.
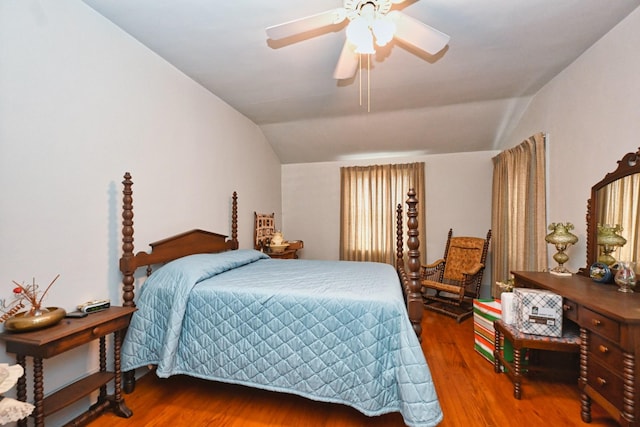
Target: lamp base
(560, 271)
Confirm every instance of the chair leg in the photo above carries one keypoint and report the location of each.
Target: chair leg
(497, 366)
(517, 373)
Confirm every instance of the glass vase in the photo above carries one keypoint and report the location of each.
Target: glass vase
(625, 277)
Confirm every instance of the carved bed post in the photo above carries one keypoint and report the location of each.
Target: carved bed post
(126, 262)
(414, 294)
(399, 243)
(234, 220)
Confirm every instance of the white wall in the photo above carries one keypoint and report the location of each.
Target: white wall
(592, 114)
(458, 196)
(81, 102)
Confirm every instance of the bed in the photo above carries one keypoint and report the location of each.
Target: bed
(307, 327)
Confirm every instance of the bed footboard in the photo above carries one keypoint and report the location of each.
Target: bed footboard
(409, 272)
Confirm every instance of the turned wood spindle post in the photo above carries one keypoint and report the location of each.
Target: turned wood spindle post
(399, 236)
(126, 262)
(414, 296)
(234, 220)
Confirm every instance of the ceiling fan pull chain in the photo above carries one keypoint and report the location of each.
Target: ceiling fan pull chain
(368, 83)
(368, 80)
(360, 75)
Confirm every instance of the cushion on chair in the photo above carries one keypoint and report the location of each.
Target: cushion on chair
(464, 254)
(570, 335)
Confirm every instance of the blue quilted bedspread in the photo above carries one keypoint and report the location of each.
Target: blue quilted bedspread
(332, 331)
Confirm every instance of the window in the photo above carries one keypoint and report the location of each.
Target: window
(368, 201)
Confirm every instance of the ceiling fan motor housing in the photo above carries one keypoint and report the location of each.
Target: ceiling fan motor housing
(354, 7)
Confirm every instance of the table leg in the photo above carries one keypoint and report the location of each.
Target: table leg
(585, 400)
(629, 390)
(103, 367)
(38, 392)
(21, 387)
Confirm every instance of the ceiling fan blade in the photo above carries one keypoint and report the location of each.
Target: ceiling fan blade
(347, 63)
(309, 23)
(415, 33)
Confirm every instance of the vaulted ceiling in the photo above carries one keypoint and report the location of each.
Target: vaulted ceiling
(462, 99)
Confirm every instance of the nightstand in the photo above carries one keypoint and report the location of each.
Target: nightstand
(286, 254)
(55, 340)
(290, 253)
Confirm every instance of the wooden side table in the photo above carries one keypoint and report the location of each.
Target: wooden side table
(286, 254)
(55, 340)
(290, 253)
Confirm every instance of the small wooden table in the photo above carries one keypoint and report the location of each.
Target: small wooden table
(285, 254)
(68, 334)
(290, 253)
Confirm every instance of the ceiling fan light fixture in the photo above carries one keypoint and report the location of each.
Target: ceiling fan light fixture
(359, 35)
(371, 22)
(383, 29)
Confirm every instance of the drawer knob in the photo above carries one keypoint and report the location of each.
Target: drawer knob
(601, 381)
(603, 348)
(596, 322)
(566, 307)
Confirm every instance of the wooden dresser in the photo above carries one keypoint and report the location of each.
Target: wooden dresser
(610, 331)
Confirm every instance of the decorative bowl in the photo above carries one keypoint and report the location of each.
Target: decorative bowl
(21, 322)
(278, 248)
(601, 273)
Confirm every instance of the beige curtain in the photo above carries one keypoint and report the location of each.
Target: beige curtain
(368, 200)
(518, 219)
(619, 204)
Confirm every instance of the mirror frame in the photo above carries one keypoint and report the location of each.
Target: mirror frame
(628, 165)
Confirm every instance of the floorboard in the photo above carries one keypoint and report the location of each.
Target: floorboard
(470, 393)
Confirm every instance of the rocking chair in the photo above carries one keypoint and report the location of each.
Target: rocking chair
(449, 285)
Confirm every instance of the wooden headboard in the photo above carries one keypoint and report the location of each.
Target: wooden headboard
(188, 243)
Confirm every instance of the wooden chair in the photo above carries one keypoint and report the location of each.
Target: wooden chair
(568, 342)
(450, 284)
(263, 229)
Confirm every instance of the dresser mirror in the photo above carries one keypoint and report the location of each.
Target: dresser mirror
(615, 201)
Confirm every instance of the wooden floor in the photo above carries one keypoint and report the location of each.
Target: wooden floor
(470, 393)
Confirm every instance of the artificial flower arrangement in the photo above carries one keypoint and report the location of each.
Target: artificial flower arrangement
(26, 296)
(506, 286)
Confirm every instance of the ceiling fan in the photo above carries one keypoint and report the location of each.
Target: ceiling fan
(370, 20)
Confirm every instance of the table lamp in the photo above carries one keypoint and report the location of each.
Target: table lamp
(561, 238)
